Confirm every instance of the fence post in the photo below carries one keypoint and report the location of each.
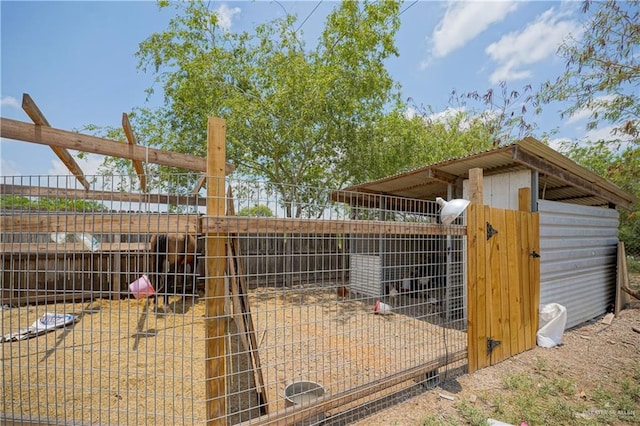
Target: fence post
(215, 320)
(476, 273)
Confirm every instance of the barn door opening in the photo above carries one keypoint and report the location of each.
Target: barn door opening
(503, 283)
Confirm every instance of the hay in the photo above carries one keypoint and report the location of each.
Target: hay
(124, 364)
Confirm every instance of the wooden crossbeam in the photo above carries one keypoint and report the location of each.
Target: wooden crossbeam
(79, 194)
(439, 175)
(137, 164)
(99, 223)
(32, 110)
(21, 131)
(255, 225)
(199, 184)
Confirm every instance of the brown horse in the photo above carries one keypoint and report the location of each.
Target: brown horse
(170, 256)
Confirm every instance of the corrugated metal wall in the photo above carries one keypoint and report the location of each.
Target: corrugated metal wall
(578, 258)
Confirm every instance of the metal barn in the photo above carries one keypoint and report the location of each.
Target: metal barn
(577, 214)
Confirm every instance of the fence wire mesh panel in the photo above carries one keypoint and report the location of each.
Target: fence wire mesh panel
(293, 305)
(81, 342)
(334, 306)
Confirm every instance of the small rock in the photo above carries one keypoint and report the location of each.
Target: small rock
(445, 396)
(473, 398)
(608, 319)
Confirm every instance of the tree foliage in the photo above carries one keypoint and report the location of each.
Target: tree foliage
(602, 73)
(602, 78)
(503, 112)
(293, 114)
(17, 202)
(259, 210)
(622, 167)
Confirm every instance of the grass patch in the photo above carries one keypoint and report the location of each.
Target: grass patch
(552, 399)
(434, 420)
(472, 415)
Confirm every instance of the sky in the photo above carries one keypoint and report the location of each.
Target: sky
(76, 59)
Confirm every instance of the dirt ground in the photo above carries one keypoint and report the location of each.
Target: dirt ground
(123, 363)
(592, 355)
(120, 364)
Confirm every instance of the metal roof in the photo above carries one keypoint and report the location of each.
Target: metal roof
(560, 179)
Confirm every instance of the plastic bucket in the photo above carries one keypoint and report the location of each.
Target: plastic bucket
(303, 393)
(381, 308)
(141, 288)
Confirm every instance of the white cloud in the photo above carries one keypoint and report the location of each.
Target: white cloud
(579, 115)
(464, 20)
(444, 116)
(538, 41)
(9, 168)
(606, 134)
(225, 16)
(558, 143)
(88, 165)
(595, 105)
(9, 101)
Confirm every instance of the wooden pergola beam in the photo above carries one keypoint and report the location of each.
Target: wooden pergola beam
(32, 110)
(199, 184)
(137, 164)
(441, 176)
(21, 131)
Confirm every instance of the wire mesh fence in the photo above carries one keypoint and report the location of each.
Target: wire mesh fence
(327, 306)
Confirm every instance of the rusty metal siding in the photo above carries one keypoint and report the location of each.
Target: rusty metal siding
(578, 258)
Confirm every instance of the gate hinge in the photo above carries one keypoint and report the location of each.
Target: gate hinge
(491, 345)
(491, 231)
(534, 254)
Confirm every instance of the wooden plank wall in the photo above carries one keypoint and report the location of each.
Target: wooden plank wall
(503, 283)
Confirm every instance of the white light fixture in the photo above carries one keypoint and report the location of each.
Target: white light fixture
(451, 209)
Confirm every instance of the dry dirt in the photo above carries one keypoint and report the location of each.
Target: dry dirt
(86, 361)
(591, 355)
(121, 363)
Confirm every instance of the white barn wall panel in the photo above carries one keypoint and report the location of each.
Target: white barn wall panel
(578, 258)
(501, 190)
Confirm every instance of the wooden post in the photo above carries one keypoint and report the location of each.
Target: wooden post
(476, 274)
(215, 319)
(476, 186)
(524, 199)
(116, 267)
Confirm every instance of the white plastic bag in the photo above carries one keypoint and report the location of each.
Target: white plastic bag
(553, 319)
(89, 241)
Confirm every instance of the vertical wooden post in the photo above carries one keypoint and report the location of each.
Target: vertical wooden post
(116, 267)
(476, 274)
(215, 320)
(524, 199)
(476, 186)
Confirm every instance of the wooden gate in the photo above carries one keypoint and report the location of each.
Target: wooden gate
(503, 283)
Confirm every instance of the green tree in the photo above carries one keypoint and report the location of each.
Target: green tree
(620, 166)
(505, 113)
(50, 204)
(602, 77)
(293, 113)
(602, 73)
(258, 210)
